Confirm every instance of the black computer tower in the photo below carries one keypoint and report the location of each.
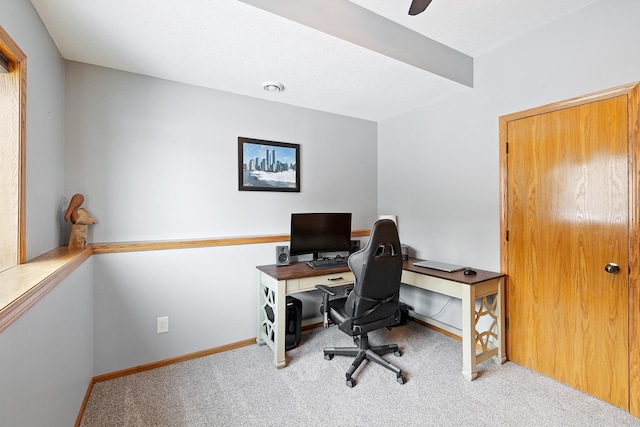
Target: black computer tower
(404, 314)
(293, 323)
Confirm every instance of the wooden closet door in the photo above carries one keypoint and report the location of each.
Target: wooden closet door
(567, 219)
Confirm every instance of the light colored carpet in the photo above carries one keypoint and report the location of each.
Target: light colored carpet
(242, 388)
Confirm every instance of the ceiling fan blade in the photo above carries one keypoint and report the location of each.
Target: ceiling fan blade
(418, 6)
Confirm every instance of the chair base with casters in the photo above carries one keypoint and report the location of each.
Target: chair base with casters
(363, 352)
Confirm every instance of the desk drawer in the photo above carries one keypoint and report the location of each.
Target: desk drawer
(433, 284)
(308, 283)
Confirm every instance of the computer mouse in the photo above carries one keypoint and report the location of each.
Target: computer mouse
(469, 272)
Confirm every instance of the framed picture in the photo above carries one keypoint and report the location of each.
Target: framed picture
(268, 165)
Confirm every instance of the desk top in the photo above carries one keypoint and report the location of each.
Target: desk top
(456, 276)
(298, 270)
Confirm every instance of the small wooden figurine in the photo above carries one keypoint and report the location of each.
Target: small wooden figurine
(80, 219)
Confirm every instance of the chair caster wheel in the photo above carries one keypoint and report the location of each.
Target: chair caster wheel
(397, 353)
(351, 383)
(401, 379)
(328, 356)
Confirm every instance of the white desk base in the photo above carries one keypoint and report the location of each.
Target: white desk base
(486, 289)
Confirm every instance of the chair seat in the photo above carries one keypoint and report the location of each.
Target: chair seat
(336, 310)
(338, 315)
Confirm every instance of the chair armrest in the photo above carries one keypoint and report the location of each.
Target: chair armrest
(326, 292)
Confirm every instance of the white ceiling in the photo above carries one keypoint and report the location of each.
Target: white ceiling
(233, 46)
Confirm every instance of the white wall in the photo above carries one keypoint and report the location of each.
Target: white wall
(158, 160)
(439, 164)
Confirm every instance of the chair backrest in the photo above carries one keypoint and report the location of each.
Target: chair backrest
(378, 271)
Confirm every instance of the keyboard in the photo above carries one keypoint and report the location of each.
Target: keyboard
(327, 263)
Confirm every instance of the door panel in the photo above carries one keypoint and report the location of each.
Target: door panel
(567, 216)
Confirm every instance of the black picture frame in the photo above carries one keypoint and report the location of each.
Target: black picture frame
(268, 165)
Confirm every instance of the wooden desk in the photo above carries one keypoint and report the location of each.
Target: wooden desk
(484, 290)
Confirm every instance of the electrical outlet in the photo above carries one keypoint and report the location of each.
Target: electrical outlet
(162, 325)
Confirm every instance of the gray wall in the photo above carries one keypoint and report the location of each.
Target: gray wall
(46, 356)
(439, 164)
(158, 160)
(45, 121)
(209, 304)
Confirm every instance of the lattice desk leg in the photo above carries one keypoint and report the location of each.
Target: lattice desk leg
(488, 341)
(478, 346)
(271, 319)
(266, 321)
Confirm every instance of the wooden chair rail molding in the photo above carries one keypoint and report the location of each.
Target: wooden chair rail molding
(108, 248)
(22, 286)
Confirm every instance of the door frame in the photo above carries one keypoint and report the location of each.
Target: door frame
(632, 91)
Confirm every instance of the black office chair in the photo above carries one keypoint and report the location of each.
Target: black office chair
(373, 303)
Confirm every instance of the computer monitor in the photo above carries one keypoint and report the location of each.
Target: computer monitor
(315, 233)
